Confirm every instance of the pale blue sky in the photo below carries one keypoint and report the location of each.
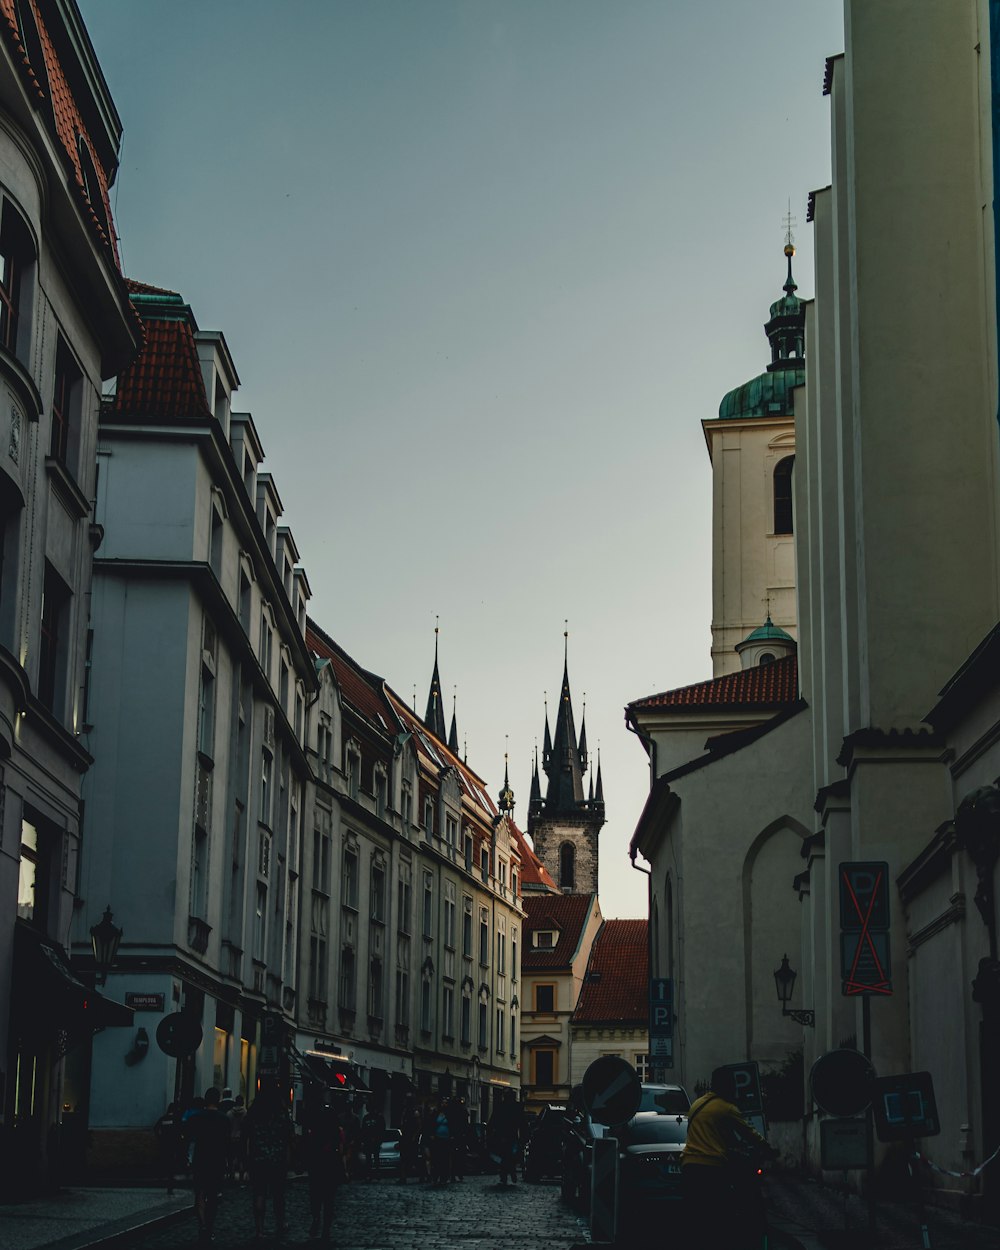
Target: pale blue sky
(484, 266)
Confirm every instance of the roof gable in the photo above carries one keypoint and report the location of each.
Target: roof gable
(566, 914)
(615, 989)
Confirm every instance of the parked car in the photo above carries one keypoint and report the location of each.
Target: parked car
(388, 1152)
(656, 1099)
(544, 1143)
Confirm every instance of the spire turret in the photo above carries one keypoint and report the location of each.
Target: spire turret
(599, 790)
(564, 766)
(506, 799)
(453, 732)
(434, 716)
(583, 736)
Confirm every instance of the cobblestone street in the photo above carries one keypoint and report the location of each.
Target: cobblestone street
(476, 1214)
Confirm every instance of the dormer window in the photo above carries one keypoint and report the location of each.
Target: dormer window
(545, 939)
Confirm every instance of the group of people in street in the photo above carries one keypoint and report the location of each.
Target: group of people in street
(217, 1138)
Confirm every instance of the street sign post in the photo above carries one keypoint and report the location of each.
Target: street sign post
(865, 966)
(843, 1144)
(661, 1022)
(604, 1189)
(841, 1082)
(905, 1107)
(178, 1035)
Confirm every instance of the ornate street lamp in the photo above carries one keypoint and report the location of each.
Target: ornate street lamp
(784, 980)
(105, 937)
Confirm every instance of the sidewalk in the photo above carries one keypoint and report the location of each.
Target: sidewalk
(76, 1218)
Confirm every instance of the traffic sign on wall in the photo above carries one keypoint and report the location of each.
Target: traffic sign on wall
(865, 966)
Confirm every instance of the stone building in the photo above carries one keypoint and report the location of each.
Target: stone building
(65, 325)
(413, 952)
(200, 680)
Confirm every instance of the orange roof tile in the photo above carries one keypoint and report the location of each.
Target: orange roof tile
(362, 690)
(67, 118)
(616, 987)
(164, 381)
(565, 913)
(771, 685)
(533, 871)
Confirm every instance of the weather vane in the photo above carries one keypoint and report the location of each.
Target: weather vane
(789, 222)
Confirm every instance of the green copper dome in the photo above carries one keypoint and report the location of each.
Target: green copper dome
(769, 632)
(770, 394)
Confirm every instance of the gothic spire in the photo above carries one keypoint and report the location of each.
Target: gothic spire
(434, 716)
(564, 767)
(453, 732)
(536, 787)
(583, 736)
(599, 792)
(506, 802)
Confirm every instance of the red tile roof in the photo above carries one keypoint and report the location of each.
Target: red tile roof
(362, 690)
(533, 871)
(165, 380)
(773, 685)
(67, 118)
(566, 914)
(616, 987)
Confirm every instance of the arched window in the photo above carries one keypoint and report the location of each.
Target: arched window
(567, 866)
(766, 658)
(783, 495)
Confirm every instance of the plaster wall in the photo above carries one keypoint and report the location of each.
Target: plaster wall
(736, 913)
(914, 180)
(630, 1044)
(752, 567)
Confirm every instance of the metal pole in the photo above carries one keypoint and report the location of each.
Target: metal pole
(866, 1039)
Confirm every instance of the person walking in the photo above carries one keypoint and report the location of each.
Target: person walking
(410, 1128)
(323, 1147)
(715, 1171)
(372, 1133)
(458, 1125)
(440, 1145)
(503, 1135)
(169, 1144)
(208, 1133)
(268, 1142)
(237, 1161)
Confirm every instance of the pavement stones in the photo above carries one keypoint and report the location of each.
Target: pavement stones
(476, 1214)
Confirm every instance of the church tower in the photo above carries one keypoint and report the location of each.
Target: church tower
(564, 824)
(752, 448)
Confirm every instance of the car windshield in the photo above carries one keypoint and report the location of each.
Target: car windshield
(392, 1135)
(657, 1130)
(666, 1101)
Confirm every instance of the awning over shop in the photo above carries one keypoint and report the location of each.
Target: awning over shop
(333, 1071)
(49, 1000)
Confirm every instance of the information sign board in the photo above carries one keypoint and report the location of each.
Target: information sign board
(905, 1106)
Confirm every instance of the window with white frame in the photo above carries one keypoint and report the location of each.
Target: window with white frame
(449, 915)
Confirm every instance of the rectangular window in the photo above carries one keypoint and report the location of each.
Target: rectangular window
(350, 878)
(12, 261)
(346, 995)
(375, 989)
(199, 873)
(30, 878)
(260, 923)
(266, 765)
(378, 893)
(215, 543)
(448, 1012)
(53, 639)
(466, 1020)
(500, 1022)
(66, 405)
(449, 923)
(513, 1033)
(353, 774)
(317, 968)
(642, 1067)
(545, 1068)
(425, 1006)
(501, 953)
(484, 864)
(428, 911)
(403, 900)
(468, 852)
(545, 998)
(467, 926)
(206, 712)
(451, 830)
(406, 804)
(513, 954)
(402, 998)
(381, 786)
(484, 937)
(483, 1027)
(264, 855)
(266, 641)
(429, 816)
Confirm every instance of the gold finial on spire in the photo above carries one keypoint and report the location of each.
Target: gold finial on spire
(789, 222)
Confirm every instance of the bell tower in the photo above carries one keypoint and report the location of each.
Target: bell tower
(564, 824)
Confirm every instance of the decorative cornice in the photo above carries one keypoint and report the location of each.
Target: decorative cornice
(872, 739)
(951, 915)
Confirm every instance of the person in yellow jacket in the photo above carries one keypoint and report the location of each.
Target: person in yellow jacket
(714, 1168)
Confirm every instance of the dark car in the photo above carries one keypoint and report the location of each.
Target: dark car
(656, 1100)
(544, 1142)
(649, 1150)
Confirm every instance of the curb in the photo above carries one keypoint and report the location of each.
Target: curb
(117, 1232)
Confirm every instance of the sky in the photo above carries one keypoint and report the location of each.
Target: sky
(484, 266)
